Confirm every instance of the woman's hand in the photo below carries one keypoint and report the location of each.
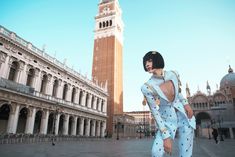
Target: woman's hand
(189, 111)
(167, 144)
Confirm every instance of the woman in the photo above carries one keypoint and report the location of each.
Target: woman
(170, 110)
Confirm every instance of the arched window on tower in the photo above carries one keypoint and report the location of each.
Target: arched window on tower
(55, 87)
(103, 24)
(100, 25)
(110, 22)
(30, 77)
(13, 71)
(44, 84)
(65, 91)
(107, 23)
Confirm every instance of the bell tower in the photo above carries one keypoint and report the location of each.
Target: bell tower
(107, 56)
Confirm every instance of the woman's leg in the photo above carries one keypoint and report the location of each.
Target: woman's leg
(186, 134)
(157, 148)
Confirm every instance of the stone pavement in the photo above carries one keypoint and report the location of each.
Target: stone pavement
(112, 148)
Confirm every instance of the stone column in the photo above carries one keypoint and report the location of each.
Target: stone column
(74, 126)
(37, 80)
(84, 98)
(95, 103)
(231, 133)
(44, 123)
(89, 100)
(69, 93)
(99, 105)
(13, 119)
(98, 129)
(60, 89)
(103, 128)
(76, 96)
(57, 120)
(105, 106)
(4, 68)
(30, 121)
(81, 126)
(23, 76)
(49, 87)
(65, 125)
(87, 133)
(93, 127)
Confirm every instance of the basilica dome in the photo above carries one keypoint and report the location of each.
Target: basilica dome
(228, 80)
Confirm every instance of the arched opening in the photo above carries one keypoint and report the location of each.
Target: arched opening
(107, 23)
(87, 98)
(92, 102)
(78, 126)
(51, 124)
(84, 126)
(73, 95)
(103, 24)
(30, 77)
(71, 123)
(65, 90)
(102, 106)
(110, 22)
(80, 97)
(202, 116)
(61, 125)
(13, 71)
(4, 117)
(22, 120)
(55, 88)
(44, 84)
(100, 25)
(91, 126)
(97, 103)
(37, 122)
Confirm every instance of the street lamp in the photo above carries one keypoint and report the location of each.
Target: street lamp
(140, 131)
(56, 111)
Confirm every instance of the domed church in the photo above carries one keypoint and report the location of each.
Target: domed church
(215, 110)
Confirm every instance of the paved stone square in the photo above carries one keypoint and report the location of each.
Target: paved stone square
(112, 148)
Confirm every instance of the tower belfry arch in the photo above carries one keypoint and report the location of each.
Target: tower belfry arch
(107, 56)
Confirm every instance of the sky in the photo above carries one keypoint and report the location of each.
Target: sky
(195, 37)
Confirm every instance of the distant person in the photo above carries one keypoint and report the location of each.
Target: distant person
(170, 110)
(215, 135)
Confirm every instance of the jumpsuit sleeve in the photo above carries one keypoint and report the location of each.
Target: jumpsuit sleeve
(182, 99)
(155, 111)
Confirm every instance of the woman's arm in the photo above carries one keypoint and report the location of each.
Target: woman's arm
(154, 109)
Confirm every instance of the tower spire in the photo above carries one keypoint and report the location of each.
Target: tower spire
(208, 88)
(230, 70)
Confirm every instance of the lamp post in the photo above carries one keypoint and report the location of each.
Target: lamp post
(140, 130)
(56, 111)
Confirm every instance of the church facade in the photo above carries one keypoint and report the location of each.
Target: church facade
(41, 95)
(215, 110)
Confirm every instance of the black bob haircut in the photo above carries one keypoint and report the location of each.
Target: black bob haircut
(157, 59)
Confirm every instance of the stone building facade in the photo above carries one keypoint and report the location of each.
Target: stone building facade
(40, 95)
(215, 110)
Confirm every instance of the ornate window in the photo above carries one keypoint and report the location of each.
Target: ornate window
(44, 84)
(13, 71)
(30, 77)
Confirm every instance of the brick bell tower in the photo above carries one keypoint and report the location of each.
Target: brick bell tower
(107, 56)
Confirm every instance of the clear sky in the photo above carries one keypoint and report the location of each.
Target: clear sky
(196, 37)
